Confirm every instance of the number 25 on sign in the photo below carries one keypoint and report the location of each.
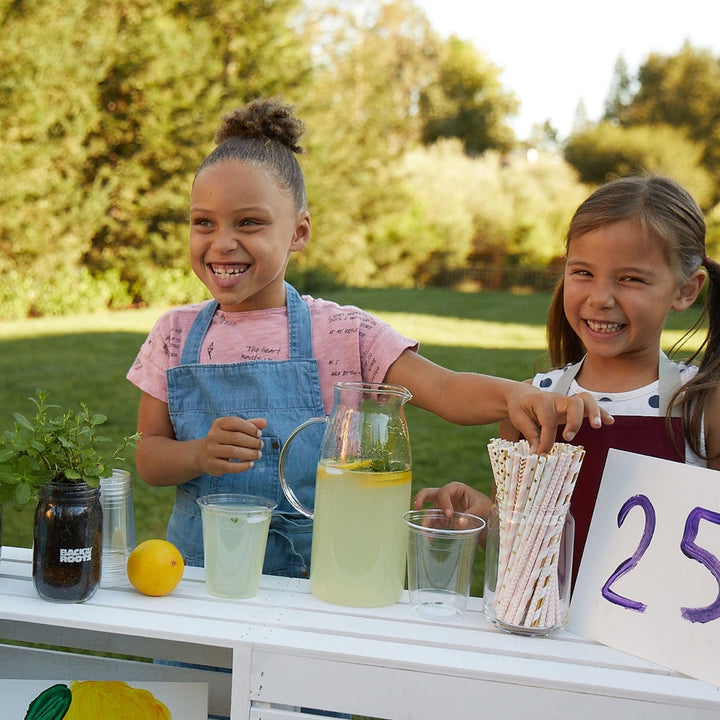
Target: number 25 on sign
(649, 581)
(687, 545)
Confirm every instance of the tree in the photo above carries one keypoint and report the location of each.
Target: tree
(544, 136)
(106, 111)
(488, 209)
(621, 92)
(580, 120)
(372, 61)
(467, 101)
(682, 91)
(605, 151)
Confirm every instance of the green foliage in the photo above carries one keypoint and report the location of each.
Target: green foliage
(372, 59)
(467, 101)
(683, 91)
(602, 152)
(712, 243)
(45, 448)
(107, 109)
(665, 120)
(72, 290)
(488, 207)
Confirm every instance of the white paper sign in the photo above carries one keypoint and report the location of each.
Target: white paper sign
(649, 580)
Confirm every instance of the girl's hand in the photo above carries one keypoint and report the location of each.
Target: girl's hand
(537, 413)
(232, 445)
(455, 497)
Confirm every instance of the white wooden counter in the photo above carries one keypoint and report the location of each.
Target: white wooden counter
(286, 649)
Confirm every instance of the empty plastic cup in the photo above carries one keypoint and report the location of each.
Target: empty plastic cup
(116, 500)
(441, 558)
(235, 531)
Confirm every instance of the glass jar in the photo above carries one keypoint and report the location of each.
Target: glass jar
(528, 568)
(67, 545)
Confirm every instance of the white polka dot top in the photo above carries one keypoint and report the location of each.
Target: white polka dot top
(643, 401)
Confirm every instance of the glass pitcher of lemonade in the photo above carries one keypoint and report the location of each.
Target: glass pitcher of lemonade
(362, 489)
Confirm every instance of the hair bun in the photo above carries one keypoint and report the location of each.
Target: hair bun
(264, 119)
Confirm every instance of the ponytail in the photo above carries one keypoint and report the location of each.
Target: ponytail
(695, 394)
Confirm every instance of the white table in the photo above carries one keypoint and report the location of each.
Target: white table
(287, 649)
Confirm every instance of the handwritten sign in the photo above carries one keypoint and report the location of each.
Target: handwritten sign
(649, 580)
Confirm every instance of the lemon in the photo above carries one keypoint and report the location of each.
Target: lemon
(155, 567)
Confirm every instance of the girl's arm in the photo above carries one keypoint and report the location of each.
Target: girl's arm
(232, 445)
(506, 430)
(472, 399)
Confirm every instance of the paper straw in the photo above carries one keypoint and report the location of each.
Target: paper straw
(532, 494)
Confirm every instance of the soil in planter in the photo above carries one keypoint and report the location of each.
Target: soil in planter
(67, 550)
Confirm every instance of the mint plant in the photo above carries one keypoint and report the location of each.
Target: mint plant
(53, 445)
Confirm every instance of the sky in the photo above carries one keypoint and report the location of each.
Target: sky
(553, 53)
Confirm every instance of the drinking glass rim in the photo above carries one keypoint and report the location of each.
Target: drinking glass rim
(411, 516)
(236, 503)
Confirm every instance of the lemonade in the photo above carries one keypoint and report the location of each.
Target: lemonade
(234, 537)
(359, 537)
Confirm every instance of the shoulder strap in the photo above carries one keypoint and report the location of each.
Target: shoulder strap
(299, 324)
(668, 374)
(198, 330)
(562, 386)
(670, 380)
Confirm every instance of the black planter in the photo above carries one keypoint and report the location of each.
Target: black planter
(67, 543)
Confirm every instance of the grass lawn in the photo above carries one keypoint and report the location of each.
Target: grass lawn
(85, 358)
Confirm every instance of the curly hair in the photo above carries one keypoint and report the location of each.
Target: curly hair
(264, 133)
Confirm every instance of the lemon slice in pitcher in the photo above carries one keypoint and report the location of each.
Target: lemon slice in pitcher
(384, 479)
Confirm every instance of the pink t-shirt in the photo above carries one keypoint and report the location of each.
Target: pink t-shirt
(348, 343)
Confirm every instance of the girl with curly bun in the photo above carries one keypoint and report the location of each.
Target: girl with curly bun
(224, 382)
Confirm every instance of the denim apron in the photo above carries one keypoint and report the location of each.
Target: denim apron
(285, 393)
(633, 433)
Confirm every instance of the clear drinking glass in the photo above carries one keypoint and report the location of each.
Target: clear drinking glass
(235, 531)
(441, 558)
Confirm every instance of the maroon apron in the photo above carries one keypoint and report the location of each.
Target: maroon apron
(637, 434)
(633, 433)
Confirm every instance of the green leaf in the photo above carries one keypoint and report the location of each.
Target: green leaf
(23, 422)
(23, 495)
(46, 446)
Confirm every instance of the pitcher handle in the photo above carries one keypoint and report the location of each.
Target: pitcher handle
(287, 490)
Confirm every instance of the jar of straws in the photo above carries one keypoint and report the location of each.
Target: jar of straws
(528, 556)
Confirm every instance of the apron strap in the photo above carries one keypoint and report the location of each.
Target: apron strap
(669, 380)
(198, 330)
(299, 325)
(562, 386)
(299, 329)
